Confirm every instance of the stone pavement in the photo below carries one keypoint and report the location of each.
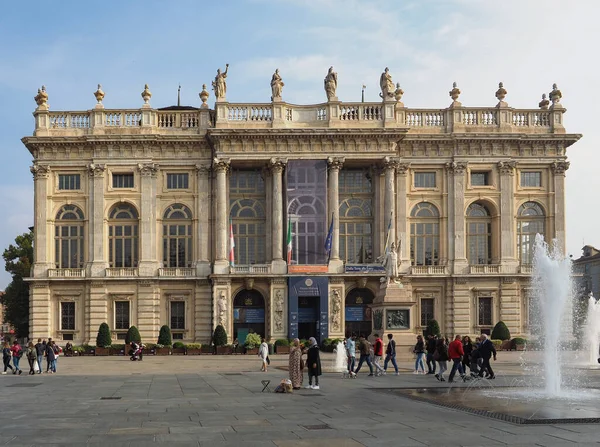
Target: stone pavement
(217, 401)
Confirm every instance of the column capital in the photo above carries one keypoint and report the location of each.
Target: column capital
(391, 163)
(403, 168)
(39, 171)
(560, 167)
(202, 169)
(96, 170)
(276, 165)
(335, 163)
(148, 169)
(221, 164)
(457, 167)
(507, 167)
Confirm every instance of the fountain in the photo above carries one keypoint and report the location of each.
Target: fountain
(592, 330)
(340, 362)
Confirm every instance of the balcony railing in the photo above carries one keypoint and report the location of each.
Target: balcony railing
(176, 272)
(256, 268)
(66, 273)
(121, 272)
(428, 270)
(526, 269)
(482, 269)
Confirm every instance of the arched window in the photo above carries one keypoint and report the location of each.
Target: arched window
(123, 237)
(68, 238)
(425, 234)
(356, 216)
(530, 221)
(247, 209)
(479, 234)
(177, 236)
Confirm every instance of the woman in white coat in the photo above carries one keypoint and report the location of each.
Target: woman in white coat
(263, 353)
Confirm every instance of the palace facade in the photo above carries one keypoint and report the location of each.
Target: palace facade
(136, 212)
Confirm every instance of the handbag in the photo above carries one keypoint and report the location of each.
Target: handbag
(268, 360)
(301, 363)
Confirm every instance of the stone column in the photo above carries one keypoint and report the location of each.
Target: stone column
(39, 310)
(402, 218)
(279, 265)
(456, 231)
(221, 167)
(40, 221)
(203, 211)
(390, 164)
(559, 169)
(149, 262)
(507, 230)
(96, 263)
(335, 164)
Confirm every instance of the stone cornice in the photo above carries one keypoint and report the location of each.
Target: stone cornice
(305, 133)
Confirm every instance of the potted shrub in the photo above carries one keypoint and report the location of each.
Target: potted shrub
(518, 343)
(133, 335)
(118, 349)
(282, 346)
(220, 340)
(207, 349)
(252, 343)
(178, 348)
(163, 347)
(103, 340)
(193, 349)
(433, 328)
(149, 349)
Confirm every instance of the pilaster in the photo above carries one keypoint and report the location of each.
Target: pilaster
(203, 212)
(41, 245)
(510, 305)
(202, 311)
(336, 265)
(221, 168)
(149, 262)
(337, 294)
(507, 213)
(456, 229)
(39, 310)
(402, 218)
(97, 264)
(222, 306)
(279, 306)
(148, 309)
(96, 311)
(559, 170)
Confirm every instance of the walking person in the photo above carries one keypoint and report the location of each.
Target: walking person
(441, 356)
(390, 354)
(50, 357)
(31, 357)
(263, 353)
(351, 353)
(295, 364)
(431, 340)
(364, 347)
(419, 350)
(40, 349)
(6, 356)
(378, 354)
(456, 353)
(17, 353)
(313, 362)
(57, 352)
(467, 349)
(48, 361)
(486, 350)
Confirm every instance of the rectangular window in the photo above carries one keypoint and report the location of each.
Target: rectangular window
(122, 180)
(121, 315)
(426, 311)
(67, 316)
(485, 311)
(177, 315)
(178, 181)
(531, 179)
(69, 182)
(424, 179)
(480, 178)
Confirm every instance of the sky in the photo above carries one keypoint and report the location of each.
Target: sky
(71, 46)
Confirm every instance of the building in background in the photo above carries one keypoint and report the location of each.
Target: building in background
(193, 217)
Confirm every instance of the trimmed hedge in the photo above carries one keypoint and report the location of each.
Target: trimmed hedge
(282, 342)
(103, 340)
(133, 335)
(164, 336)
(500, 332)
(178, 345)
(220, 336)
(433, 328)
(252, 341)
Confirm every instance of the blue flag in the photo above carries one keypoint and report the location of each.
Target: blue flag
(329, 238)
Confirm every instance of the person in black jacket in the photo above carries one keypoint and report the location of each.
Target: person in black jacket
(431, 341)
(467, 348)
(486, 350)
(313, 362)
(441, 356)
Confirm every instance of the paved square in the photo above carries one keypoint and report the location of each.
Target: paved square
(217, 401)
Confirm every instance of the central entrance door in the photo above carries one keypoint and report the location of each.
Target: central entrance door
(308, 317)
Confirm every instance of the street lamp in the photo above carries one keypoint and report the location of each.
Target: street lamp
(363, 92)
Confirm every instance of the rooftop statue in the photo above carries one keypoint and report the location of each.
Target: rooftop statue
(388, 89)
(331, 84)
(276, 85)
(219, 84)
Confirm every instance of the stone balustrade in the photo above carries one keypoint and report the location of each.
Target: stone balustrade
(122, 272)
(66, 273)
(258, 268)
(428, 270)
(176, 272)
(453, 120)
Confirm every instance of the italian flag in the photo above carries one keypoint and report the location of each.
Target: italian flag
(231, 245)
(289, 242)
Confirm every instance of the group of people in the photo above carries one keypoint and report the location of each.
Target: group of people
(462, 352)
(370, 351)
(312, 364)
(33, 353)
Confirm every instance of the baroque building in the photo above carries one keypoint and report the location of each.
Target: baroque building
(137, 211)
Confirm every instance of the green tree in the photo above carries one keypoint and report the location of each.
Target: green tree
(433, 328)
(18, 259)
(103, 340)
(220, 336)
(500, 332)
(164, 336)
(133, 335)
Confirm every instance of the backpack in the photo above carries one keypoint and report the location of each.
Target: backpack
(19, 353)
